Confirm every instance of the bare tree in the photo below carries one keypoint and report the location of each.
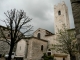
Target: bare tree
(15, 21)
(67, 43)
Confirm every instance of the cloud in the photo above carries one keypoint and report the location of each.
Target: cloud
(41, 11)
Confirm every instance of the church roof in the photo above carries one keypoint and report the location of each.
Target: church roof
(48, 33)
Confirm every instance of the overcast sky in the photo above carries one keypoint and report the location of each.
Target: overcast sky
(41, 11)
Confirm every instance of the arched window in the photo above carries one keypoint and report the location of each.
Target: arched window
(41, 47)
(38, 35)
(59, 12)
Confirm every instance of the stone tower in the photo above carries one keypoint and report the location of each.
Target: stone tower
(61, 17)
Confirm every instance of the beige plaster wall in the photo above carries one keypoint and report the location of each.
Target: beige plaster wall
(21, 48)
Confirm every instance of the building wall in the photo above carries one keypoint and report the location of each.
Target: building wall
(21, 48)
(4, 48)
(30, 51)
(76, 15)
(34, 49)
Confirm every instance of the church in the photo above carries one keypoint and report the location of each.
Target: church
(33, 48)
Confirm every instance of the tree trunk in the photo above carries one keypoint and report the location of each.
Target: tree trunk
(72, 57)
(10, 52)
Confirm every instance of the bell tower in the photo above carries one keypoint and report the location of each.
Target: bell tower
(61, 17)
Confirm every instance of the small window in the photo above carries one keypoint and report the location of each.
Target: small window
(59, 12)
(41, 47)
(38, 35)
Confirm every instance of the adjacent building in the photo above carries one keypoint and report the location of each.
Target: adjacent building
(4, 47)
(76, 15)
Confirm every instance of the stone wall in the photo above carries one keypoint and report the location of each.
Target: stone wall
(76, 15)
(21, 48)
(34, 49)
(4, 48)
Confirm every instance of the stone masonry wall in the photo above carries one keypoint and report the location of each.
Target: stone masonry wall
(36, 52)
